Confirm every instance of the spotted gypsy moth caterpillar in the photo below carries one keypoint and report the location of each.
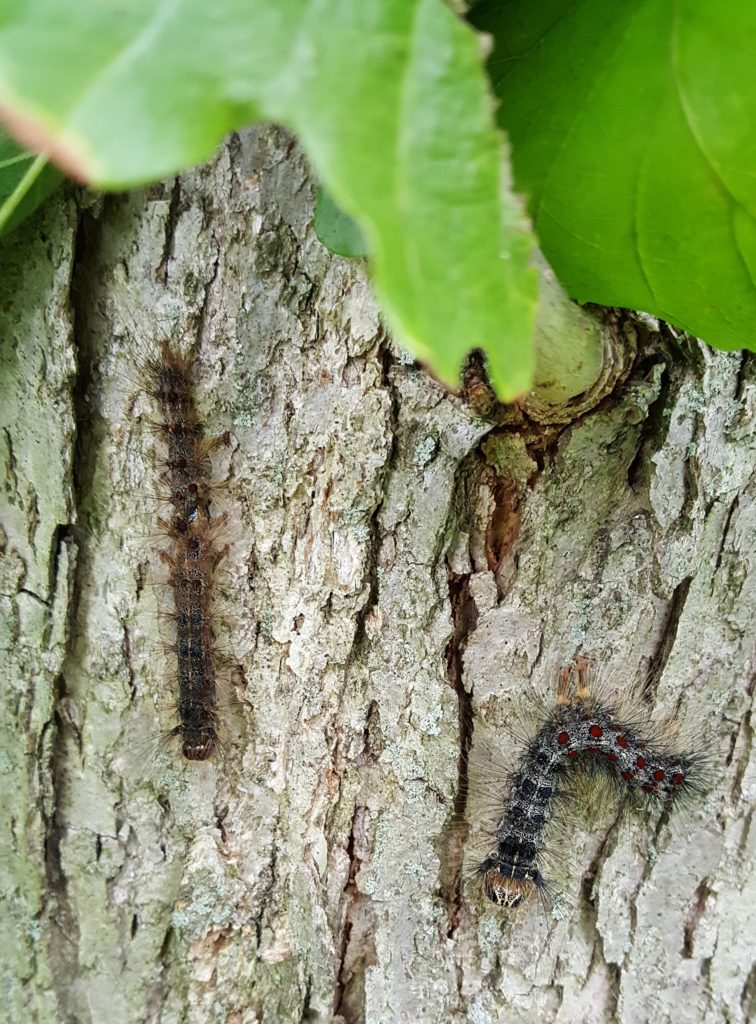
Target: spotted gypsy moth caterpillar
(192, 555)
(580, 732)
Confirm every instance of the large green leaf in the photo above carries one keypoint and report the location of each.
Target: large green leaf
(388, 96)
(633, 130)
(25, 181)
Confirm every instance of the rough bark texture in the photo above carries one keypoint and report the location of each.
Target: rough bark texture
(403, 573)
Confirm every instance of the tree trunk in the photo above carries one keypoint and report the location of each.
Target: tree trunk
(403, 574)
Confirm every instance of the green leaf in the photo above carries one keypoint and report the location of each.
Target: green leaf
(389, 98)
(633, 131)
(336, 229)
(25, 181)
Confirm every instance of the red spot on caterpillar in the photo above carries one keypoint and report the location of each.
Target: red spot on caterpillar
(591, 750)
(627, 776)
(562, 738)
(612, 757)
(640, 761)
(622, 742)
(596, 731)
(677, 778)
(658, 775)
(572, 753)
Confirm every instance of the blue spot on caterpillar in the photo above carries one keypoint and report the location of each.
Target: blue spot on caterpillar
(580, 732)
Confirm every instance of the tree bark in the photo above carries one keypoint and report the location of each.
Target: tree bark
(404, 573)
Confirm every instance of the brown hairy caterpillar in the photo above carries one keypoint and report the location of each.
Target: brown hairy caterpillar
(579, 733)
(192, 554)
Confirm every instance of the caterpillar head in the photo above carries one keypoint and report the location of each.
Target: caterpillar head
(504, 890)
(199, 743)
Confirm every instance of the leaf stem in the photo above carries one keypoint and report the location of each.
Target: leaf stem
(10, 205)
(13, 160)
